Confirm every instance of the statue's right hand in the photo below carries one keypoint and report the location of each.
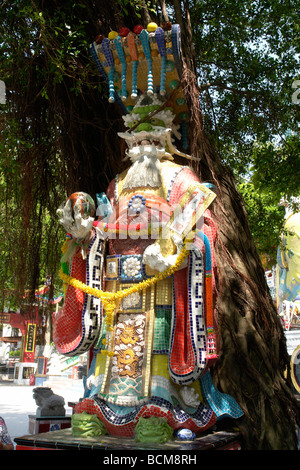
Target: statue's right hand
(71, 218)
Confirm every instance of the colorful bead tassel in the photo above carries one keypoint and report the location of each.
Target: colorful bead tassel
(176, 46)
(120, 52)
(145, 43)
(111, 87)
(160, 40)
(110, 61)
(134, 57)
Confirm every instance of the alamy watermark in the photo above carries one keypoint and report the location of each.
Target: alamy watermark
(296, 94)
(149, 224)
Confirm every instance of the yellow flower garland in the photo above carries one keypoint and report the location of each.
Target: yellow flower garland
(110, 299)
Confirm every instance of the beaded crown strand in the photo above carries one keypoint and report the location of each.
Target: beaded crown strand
(110, 61)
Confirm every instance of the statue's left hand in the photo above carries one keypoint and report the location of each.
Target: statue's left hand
(71, 218)
(154, 258)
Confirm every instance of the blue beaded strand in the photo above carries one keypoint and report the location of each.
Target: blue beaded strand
(110, 62)
(134, 92)
(163, 76)
(107, 52)
(104, 75)
(160, 40)
(120, 52)
(111, 87)
(176, 46)
(145, 43)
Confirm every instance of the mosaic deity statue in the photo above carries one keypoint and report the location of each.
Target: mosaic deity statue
(140, 273)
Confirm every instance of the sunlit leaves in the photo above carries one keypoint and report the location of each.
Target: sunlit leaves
(247, 61)
(276, 168)
(265, 218)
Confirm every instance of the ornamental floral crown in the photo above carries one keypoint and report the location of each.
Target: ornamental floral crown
(145, 61)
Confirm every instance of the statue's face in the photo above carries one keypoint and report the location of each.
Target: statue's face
(152, 142)
(149, 137)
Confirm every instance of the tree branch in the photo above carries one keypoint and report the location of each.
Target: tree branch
(206, 86)
(164, 10)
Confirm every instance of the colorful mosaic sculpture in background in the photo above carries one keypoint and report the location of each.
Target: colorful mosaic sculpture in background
(288, 269)
(140, 276)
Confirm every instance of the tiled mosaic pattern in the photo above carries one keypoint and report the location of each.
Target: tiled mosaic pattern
(222, 404)
(113, 267)
(188, 340)
(77, 324)
(127, 375)
(159, 336)
(131, 269)
(162, 329)
(180, 297)
(122, 422)
(67, 322)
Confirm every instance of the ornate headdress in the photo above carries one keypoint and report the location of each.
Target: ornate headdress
(144, 61)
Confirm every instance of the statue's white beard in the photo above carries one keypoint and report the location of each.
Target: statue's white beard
(145, 170)
(148, 149)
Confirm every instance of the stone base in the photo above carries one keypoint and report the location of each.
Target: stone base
(41, 424)
(63, 440)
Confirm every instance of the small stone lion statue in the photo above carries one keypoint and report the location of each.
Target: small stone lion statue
(48, 403)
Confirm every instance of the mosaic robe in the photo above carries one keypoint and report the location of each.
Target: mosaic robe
(159, 366)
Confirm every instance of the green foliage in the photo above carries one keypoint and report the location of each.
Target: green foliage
(247, 63)
(26, 224)
(265, 218)
(14, 353)
(276, 168)
(28, 32)
(274, 176)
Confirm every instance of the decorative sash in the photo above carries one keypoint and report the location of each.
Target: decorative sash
(79, 320)
(187, 357)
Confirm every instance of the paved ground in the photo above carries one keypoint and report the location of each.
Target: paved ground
(16, 403)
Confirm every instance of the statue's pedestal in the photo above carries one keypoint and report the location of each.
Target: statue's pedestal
(63, 440)
(41, 424)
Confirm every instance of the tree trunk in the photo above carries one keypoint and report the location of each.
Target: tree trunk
(253, 356)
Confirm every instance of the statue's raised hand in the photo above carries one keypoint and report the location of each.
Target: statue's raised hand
(76, 215)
